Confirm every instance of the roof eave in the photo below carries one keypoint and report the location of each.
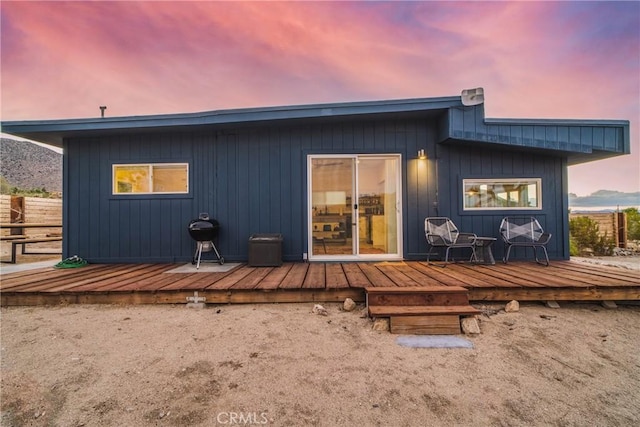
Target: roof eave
(578, 140)
(53, 132)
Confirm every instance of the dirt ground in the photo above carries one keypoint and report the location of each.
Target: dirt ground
(281, 365)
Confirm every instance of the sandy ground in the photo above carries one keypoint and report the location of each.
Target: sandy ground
(626, 262)
(281, 365)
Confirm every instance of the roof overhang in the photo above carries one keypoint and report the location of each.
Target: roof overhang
(579, 141)
(53, 132)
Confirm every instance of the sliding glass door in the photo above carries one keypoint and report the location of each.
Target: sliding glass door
(354, 207)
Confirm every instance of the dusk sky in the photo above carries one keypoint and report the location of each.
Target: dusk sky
(560, 60)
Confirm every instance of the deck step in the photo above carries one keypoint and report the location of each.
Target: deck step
(403, 310)
(425, 325)
(424, 310)
(418, 296)
(414, 289)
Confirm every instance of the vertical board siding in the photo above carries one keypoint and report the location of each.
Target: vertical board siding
(468, 123)
(254, 180)
(463, 162)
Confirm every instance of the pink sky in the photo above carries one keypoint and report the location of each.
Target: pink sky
(577, 60)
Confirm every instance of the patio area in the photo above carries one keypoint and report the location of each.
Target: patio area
(312, 282)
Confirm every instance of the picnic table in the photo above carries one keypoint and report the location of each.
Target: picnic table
(22, 240)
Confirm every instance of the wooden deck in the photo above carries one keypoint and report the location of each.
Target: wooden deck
(314, 282)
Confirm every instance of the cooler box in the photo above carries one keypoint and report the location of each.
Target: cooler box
(265, 250)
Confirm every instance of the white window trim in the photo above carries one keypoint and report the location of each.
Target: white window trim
(150, 166)
(537, 181)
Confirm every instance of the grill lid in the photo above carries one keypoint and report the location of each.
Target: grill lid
(204, 228)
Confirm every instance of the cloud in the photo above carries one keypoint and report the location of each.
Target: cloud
(534, 59)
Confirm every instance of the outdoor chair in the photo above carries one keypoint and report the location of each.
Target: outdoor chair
(441, 232)
(525, 232)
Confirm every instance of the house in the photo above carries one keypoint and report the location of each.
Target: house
(343, 181)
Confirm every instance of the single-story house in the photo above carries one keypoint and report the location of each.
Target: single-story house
(339, 182)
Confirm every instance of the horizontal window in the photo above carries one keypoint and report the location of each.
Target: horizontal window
(156, 178)
(500, 194)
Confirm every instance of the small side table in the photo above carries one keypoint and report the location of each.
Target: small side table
(484, 254)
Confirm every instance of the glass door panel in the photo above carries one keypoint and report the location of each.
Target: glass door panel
(331, 206)
(378, 205)
(354, 207)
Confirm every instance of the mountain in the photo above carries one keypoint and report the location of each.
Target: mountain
(606, 198)
(30, 166)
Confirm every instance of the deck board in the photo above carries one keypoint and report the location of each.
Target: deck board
(193, 281)
(146, 283)
(375, 276)
(275, 277)
(526, 278)
(399, 277)
(127, 280)
(315, 277)
(336, 276)
(253, 279)
(482, 275)
(237, 275)
(49, 275)
(598, 270)
(354, 275)
(298, 282)
(578, 277)
(434, 274)
(460, 276)
(295, 277)
(515, 278)
(523, 277)
(97, 278)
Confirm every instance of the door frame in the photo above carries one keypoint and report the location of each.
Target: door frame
(399, 210)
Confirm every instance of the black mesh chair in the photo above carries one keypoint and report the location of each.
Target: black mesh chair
(524, 232)
(441, 232)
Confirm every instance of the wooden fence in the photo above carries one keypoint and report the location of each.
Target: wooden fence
(30, 210)
(613, 225)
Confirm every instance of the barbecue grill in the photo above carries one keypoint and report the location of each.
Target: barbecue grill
(204, 231)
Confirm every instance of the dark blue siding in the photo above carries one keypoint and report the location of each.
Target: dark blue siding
(468, 162)
(254, 180)
(469, 124)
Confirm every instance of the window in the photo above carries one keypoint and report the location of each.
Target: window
(499, 194)
(158, 178)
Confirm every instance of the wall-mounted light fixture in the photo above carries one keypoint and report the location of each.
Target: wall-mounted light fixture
(421, 154)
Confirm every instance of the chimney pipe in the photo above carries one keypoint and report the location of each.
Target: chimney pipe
(102, 108)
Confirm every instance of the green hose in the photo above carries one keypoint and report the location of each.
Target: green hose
(72, 262)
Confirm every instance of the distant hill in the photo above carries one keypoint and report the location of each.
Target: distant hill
(30, 166)
(605, 198)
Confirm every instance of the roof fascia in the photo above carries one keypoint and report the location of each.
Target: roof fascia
(54, 131)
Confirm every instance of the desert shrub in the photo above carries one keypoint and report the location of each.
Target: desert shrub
(5, 186)
(633, 223)
(584, 236)
(573, 247)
